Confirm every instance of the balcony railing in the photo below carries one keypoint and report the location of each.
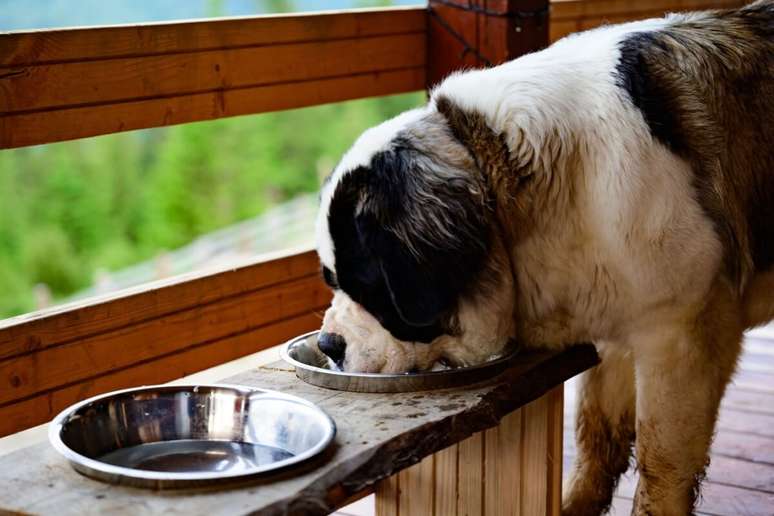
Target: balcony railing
(72, 83)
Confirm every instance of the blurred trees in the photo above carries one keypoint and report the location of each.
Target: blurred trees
(69, 209)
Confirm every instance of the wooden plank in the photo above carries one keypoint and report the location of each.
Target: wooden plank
(106, 82)
(716, 498)
(758, 381)
(50, 126)
(502, 469)
(749, 401)
(470, 479)
(535, 471)
(723, 468)
(561, 9)
(746, 422)
(60, 45)
(741, 473)
(78, 360)
(569, 16)
(561, 28)
(374, 440)
(417, 489)
(446, 483)
(555, 422)
(621, 506)
(752, 448)
(387, 495)
(41, 408)
(115, 79)
(39, 330)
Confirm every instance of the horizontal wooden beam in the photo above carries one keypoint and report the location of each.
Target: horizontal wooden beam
(153, 334)
(40, 408)
(53, 367)
(568, 16)
(60, 325)
(114, 79)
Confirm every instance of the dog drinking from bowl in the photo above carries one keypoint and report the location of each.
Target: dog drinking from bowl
(617, 188)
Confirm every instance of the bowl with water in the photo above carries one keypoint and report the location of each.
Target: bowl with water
(172, 436)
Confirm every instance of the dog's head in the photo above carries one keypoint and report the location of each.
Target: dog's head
(407, 239)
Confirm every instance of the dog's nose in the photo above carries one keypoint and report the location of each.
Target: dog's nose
(332, 345)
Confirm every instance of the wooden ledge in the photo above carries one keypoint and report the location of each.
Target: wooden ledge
(378, 435)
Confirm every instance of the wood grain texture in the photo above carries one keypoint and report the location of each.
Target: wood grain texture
(470, 473)
(503, 464)
(101, 82)
(568, 16)
(387, 496)
(740, 476)
(468, 38)
(40, 408)
(78, 360)
(534, 473)
(152, 334)
(115, 79)
(376, 438)
(95, 43)
(555, 407)
(417, 493)
(52, 126)
(39, 330)
(446, 465)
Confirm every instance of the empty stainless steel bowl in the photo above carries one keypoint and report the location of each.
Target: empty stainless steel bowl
(177, 436)
(312, 366)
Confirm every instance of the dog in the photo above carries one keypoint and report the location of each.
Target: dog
(615, 188)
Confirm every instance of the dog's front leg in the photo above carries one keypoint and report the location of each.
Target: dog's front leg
(681, 376)
(604, 433)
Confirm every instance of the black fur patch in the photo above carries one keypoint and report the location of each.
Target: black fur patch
(645, 92)
(411, 288)
(330, 278)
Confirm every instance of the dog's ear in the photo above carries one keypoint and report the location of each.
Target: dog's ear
(488, 148)
(418, 286)
(428, 231)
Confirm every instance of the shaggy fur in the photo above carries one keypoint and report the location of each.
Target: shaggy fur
(617, 187)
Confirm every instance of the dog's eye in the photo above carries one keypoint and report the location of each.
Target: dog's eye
(330, 278)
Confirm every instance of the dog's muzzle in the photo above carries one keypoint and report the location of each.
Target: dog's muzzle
(332, 345)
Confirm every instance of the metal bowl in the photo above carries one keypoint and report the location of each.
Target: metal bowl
(185, 435)
(312, 366)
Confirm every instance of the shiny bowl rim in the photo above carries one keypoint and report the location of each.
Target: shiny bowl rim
(56, 424)
(285, 355)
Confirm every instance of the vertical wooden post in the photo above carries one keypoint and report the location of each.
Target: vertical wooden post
(479, 33)
(514, 469)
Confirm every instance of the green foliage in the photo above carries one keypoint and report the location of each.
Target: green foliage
(69, 209)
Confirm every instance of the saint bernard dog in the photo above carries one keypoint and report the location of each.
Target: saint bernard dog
(615, 188)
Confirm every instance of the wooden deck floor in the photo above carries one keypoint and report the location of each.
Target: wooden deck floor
(740, 479)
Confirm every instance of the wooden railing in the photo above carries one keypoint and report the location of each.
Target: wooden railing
(111, 79)
(64, 84)
(157, 333)
(569, 16)
(72, 83)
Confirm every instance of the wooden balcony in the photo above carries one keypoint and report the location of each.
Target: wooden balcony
(73, 83)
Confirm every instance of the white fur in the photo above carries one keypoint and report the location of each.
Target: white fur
(630, 247)
(633, 243)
